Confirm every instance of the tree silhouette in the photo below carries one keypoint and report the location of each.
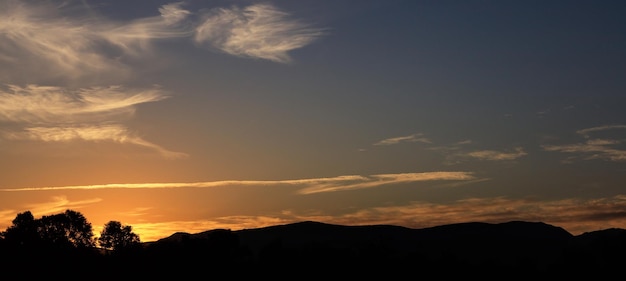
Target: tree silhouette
(69, 229)
(23, 232)
(115, 236)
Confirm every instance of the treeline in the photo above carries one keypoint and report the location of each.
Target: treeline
(63, 245)
(69, 230)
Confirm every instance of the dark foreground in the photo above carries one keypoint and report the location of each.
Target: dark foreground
(311, 250)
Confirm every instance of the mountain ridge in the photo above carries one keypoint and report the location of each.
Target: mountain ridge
(310, 224)
(526, 249)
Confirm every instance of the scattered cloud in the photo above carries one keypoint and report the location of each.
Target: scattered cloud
(594, 148)
(409, 138)
(257, 31)
(494, 155)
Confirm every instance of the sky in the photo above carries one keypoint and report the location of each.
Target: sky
(196, 115)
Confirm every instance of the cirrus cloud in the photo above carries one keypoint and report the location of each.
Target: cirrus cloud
(257, 31)
(73, 50)
(54, 114)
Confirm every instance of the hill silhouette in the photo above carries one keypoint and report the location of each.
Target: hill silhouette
(512, 250)
(518, 249)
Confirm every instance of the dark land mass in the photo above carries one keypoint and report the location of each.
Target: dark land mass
(513, 250)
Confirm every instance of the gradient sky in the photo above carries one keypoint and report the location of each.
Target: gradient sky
(194, 115)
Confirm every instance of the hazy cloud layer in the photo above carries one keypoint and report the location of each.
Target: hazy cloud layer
(574, 215)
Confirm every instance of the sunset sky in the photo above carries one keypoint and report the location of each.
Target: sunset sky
(195, 115)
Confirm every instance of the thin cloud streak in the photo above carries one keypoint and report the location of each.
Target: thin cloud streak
(315, 185)
(257, 31)
(585, 132)
(386, 179)
(494, 155)
(114, 132)
(409, 138)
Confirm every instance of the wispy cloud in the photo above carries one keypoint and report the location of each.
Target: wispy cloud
(592, 149)
(257, 31)
(55, 114)
(136, 36)
(586, 132)
(58, 205)
(459, 152)
(94, 133)
(40, 41)
(386, 179)
(409, 138)
(57, 105)
(308, 186)
(70, 46)
(494, 155)
(604, 149)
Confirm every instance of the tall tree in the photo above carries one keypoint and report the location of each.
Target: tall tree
(69, 228)
(23, 232)
(115, 236)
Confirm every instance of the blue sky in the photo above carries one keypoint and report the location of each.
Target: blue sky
(192, 115)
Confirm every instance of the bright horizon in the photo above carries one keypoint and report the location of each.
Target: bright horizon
(187, 116)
